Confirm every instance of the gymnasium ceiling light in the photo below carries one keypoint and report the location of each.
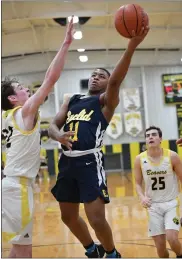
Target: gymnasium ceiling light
(83, 58)
(78, 35)
(80, 50)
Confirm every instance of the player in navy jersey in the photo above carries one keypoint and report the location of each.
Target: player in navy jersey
(81, 178)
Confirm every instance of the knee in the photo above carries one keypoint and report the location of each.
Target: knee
(97, 221)
(172, 240)
(68, 218)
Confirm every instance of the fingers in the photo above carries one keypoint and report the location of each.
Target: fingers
(69, 133)
(133, 34)
(141, 31)
(179, 141)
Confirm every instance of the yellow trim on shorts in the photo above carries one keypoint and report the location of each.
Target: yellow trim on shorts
(24, 132)
(25, 212)
(56, 157)
(6, 236)
(178, 207)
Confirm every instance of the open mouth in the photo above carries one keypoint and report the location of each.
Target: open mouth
(151, 142)
(95, 83)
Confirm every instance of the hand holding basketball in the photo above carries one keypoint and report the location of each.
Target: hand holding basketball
(137, 39)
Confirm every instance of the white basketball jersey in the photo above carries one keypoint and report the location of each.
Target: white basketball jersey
(161, 183)
(22, 147)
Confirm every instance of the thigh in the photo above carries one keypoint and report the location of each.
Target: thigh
(69, 209)
(66, 188)
(156, 221)
(92, 179)
(95, 209)
(172, 216)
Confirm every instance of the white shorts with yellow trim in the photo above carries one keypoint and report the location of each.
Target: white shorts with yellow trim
(17, 210)
(163, 216)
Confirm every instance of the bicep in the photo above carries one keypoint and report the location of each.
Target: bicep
(177, 165)
(112, 96)
(60, 118)
(32, 105)
(138, 171)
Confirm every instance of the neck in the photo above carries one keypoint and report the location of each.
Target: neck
(95, 92)
(154, 151)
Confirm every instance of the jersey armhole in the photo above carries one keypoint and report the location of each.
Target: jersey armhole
(20, 124)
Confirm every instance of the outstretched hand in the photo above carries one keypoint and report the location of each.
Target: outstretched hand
(69, 32)
(137, 39)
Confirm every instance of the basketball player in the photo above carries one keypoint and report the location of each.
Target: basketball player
(22, 132)
(81, 176)
(160, 169)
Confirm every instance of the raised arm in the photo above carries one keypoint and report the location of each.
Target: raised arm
(146, 201)
(57, 124)
(31, 106)
(111, 96)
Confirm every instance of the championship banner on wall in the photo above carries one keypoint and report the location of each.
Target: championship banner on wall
(179, 119)
(115, 128)
(35, 86)
(172, 87)
(131, 99)
(133, 123)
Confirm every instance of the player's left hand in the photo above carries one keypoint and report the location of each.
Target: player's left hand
(69, 32)
(137, 39)
(179, 142)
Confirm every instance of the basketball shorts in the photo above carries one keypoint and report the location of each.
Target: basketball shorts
(17, 209)
(81, 179)
(163, 216)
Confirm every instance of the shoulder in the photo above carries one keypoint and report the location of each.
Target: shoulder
(137, 159)
(174, 157)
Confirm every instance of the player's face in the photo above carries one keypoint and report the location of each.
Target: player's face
(98, 81)
(22, 93)
(152, 138)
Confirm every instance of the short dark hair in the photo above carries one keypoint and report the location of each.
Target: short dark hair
(7, 89)
(104, 70)
(155, 128)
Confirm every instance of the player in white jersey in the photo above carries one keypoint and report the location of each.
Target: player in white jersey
(160, 169)
(21, 128)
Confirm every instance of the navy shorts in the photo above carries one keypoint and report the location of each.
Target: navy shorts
(81, 179)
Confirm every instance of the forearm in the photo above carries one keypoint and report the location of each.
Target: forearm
(53, 131)
(139, 191)
(57, 64)
(121, 68)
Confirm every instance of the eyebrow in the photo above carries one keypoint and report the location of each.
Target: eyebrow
(100, 74)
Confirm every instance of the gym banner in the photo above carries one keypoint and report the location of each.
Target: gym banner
(172, 88)
(179, 119)
(35, 86)
(115, 128)
(133, 123)
(131, 99)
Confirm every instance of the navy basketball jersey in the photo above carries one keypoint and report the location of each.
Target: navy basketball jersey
(87, 120)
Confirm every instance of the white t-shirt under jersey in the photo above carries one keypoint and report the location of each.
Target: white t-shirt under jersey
(161, 183)
(23, 147)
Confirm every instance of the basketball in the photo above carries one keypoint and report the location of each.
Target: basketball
(130, 17)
